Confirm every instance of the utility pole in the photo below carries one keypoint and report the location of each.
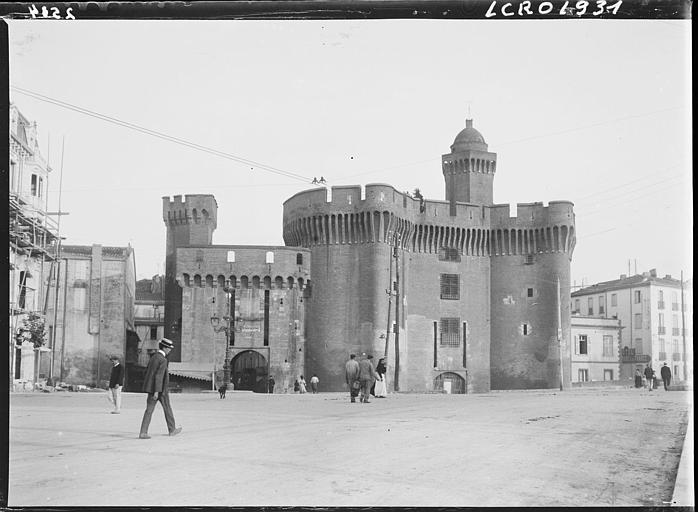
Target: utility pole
(389, 291)
(559, 328)
(397, 312)
(683, 332)
(57, 276)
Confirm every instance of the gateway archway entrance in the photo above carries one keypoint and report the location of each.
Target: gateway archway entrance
(450, 382)
(249, 371)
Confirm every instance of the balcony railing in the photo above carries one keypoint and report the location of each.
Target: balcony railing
(676, 357)
(628, 355)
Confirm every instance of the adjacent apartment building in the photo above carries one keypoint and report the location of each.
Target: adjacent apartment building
(93, 313)
(32, 240)
(656, 314)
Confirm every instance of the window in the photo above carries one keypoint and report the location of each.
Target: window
(153, 332)
(41, 187)
(526, 329)
(576, 306)
(80, 295)
(13, 176)
(608, 375)
(199, 256)
(661, 329)
(590, 306)
(528, 259)
(638, 321)
(662, 345)
(638, 346)
(608, 347)
(583, 374)
(529, 292)
(34, 184)
(450, 286)
(677, 349)
(450, 332)
(449, 254)
(299, 259)
(231, 257)
(675, 325)
(270, 257)
(81, 270)
(583, 344)
(602, 305)
(660, 303)
(614, 299)
(638, 296)
(22, 289)
(674, 301)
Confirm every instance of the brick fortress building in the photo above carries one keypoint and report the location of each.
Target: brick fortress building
(475, 290)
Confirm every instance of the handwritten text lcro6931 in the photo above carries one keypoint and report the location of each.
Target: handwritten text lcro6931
(579, 8)
(50, 12)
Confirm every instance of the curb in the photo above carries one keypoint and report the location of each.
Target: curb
(684, 492)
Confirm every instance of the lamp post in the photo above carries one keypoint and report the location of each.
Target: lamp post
(225, 325)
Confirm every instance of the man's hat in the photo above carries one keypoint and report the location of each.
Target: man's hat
(165, 343)
(114, 357)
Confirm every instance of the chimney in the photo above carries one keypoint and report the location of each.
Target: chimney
(668, 276)
(623, 276)
(653, 272)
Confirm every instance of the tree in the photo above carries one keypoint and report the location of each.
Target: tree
(32, 330)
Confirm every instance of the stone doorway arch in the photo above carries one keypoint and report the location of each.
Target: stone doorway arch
(249, 371)
(451, 380)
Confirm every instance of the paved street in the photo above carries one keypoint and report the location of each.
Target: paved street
(590, 447)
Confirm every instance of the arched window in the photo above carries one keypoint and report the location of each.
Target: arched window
(267, 282)
(279, 282)
(197, 280)
(255, 282)
(244, 282)
(209, 281)
(449, 382)
(290, 282)
(186, 280)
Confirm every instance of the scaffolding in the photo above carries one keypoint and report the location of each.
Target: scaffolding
(34, 244)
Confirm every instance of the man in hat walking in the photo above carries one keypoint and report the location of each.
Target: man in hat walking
(351, 372)
(156, 384)
(367, 376)
(665, 372)
(116, 382)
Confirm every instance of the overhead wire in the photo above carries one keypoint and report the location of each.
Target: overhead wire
(161, 135)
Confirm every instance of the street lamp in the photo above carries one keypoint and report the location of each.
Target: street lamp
(226, 325)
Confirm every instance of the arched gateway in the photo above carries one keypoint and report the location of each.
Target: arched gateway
(249, 371)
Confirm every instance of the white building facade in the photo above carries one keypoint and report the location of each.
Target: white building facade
(596, 350)
(656, 314)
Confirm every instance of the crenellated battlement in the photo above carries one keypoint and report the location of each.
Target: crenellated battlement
(532, 214)
(382, 197)
(190, 209)
(379, 213)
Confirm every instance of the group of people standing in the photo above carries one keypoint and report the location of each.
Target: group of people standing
(365, 380)
(647, 379)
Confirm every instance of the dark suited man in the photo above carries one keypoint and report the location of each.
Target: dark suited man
(156, 384)
(665, 372)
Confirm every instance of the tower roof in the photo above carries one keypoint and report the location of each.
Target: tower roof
(469, 138)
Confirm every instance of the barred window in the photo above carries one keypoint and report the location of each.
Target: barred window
(450, 332)
(449, 254)
(450, 286)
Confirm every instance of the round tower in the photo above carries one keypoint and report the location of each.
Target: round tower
(469, 168)
(189, 222)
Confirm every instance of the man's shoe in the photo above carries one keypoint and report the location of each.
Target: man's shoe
(116, 412)
(143, 436)
(176, 431)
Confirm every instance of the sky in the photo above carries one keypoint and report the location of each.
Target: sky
(596, 112)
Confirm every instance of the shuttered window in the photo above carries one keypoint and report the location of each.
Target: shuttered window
(450, 286)
(450, 332)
